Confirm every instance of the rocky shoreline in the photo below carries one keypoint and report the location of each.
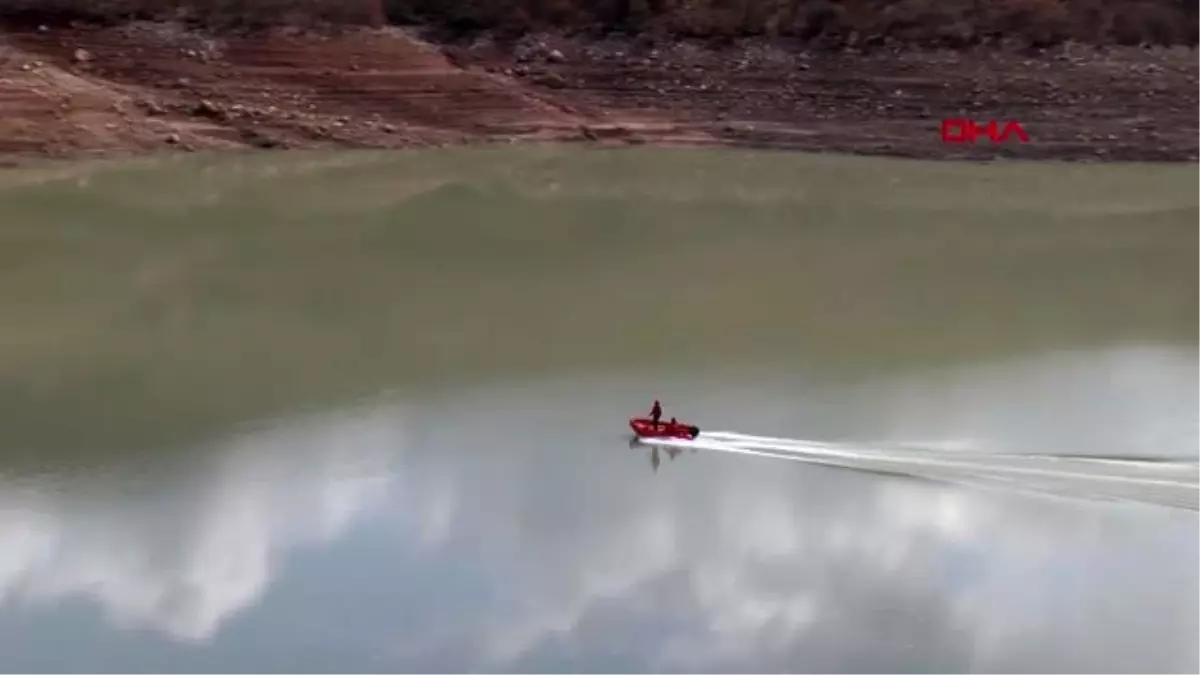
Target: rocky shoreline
(154, 87)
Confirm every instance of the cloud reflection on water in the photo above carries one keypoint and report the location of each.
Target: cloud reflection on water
(534, 539)
(202, 549)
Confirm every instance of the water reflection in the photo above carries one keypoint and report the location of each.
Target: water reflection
(185, 556)
(652, 453)
(394, 537)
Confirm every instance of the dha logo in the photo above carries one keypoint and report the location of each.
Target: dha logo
(969, 131)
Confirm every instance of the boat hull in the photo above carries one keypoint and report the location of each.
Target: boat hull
(646, 428)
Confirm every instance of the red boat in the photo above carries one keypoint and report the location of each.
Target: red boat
(646, 428)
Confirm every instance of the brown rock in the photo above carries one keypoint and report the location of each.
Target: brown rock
(552, 80)
(81, 56)
(207, 108)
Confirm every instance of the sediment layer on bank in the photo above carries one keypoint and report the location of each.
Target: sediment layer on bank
(138, 86)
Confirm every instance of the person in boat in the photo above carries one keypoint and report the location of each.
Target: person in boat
(656, 412)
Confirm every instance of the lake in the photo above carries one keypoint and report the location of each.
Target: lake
(367, 412)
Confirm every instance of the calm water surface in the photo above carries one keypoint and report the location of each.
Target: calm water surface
(366, 412)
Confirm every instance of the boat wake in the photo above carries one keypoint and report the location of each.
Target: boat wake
(1174, 483)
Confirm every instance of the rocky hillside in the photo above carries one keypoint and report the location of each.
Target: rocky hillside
(137, 86)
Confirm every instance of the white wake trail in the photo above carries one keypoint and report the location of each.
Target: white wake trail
(1166, 483)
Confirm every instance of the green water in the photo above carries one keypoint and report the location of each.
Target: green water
(364, 411)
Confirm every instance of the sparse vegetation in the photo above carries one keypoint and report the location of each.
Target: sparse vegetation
(944, 23)
(211, 13)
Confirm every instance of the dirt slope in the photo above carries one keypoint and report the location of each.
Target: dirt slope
(150, 85)
(143, 87)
